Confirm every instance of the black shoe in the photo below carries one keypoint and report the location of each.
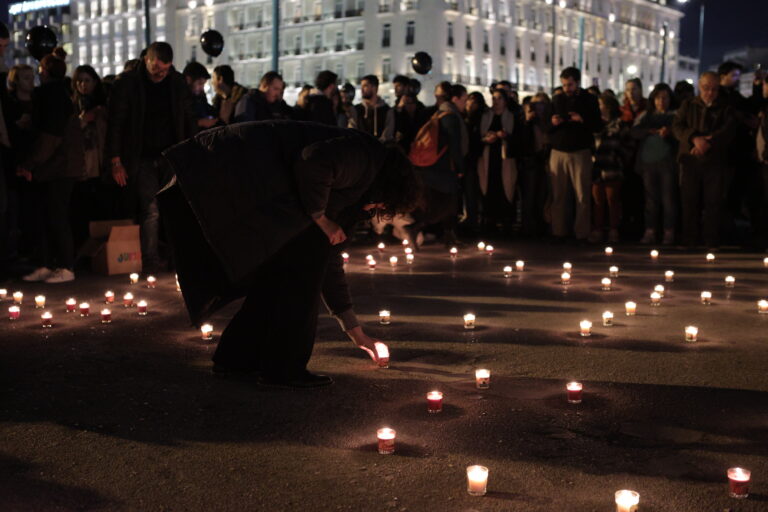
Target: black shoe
(301, 380)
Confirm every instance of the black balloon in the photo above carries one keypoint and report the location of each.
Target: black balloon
(422, 63)
(212, 42)
(40, 41)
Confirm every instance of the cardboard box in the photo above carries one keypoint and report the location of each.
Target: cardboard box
(114, 247)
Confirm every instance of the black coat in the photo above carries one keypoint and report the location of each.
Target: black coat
(243, 191)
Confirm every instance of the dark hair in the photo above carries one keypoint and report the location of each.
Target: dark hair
(593, 89)
(269, 77)
(4, 34)
(503, 93)
(445, 86)
(401, 79)
(414, 87)
(728, 66)
(349, 89)
(130, 65)
(60, 52)
(98, 97)
(457, 91)
(226, 73)
(479, 98)
(195, 71)
(638, 83)
(371, 79)
(397, 184)
(613, 105)
(325, 79)
(571, 73)
(161, 51)
(54, 66)
(658, 89)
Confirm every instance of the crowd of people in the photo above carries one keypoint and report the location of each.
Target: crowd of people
(584, 165)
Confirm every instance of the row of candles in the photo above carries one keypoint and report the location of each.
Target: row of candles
(71, 306)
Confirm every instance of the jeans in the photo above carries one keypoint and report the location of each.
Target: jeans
(147, 183)
(660, 183)
(54, 245)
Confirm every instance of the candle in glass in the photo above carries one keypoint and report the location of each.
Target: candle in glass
(710, 258)
(627, 501)
(586, 328)
(409, 259)
(106, 316)
(70, 305)
(765, 262)
(178, 286)
(142, 308)
(655, 299)
(606, 282)
(454, 252)
(206, 332)
(609, 251)
(654, 254)
(384, 317)
(607, 319)
(128, 300)
(630, 308)
(489, 249)
(40, 301)
(565, 278)
(18, 297)
(669, 276)
(659, 288)
(368, 257)
(46, 320)
(381, 247)
(469, 321)
(14, 313)
(434, 402)
(477, 480)
(519, 265)
(386, 437)
(507, 271)
(691, 333)
(345, 257)
(151, 282)
(762, 306)
(408, 250)
(738, 482)
(567, 267)
(613, 271)
(134, 278)
(706, 298)
(574, 390)
(730, 281)
(481, 246)
(3, 293)
(85, 309)
(393, 261)
(372, 264)
(382, 354)
(109, 297)
(406, 242)
(483, 378)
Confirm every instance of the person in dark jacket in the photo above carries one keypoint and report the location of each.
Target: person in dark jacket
(575, 118)
(409, 115)
(266, 102)
(534, 159)
(318, 106)
(260, 210)
(374, 116)
(196, 75)
(470, 183)
(230, 96)
(150, 110)
(704, 126)
(761, 146)
(54, 163)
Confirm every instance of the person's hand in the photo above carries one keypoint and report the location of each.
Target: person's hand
(701, 146)
(332, 230)
(24, 173)
(664, 132)
(576, 117)
(364, 342)
(490, 138)
(207, 122)
(557, 120)
(501, 134)
(119, 173)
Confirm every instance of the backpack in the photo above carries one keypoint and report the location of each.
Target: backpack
(424, 149)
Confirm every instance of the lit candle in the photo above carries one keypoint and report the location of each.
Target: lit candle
(386, 437)
(40, 301)
(586, 327)
(345, 257)
(106, 316)
(477, 480)
(669, 276)
(406, 242)
(519, 265)
(481, 246)
(488, 250)
(128, 300)
(206, 332)
(706, 298)
(730, 281)
(469, 321)
(613, 271)
(567, 266)
(507, 271)
(574, 392)
(565, 278)
(70, 305)
(434, 402)
(710, 258)
(109, 297)
(765, 262)
(409, 259)
(738, 482)
(609, 251)
(393, 261)
(654, 254)
(134, 278)
(483, 378)
(762, 306)
(18, 297)
(372, 264)
(655, 299)
(408, 251)
(178, 286)
(607, 319)
(382, 354)
(691, 333)
(368, 257)
(631, 308)
(142, 308)
(606, 282)
(46, 319)
(14, 312)
(3, 293)
(627, 501)
(85, 309)
(454, 252)
(151, 282)
(384, 317)
(381, 247)
(659, 288)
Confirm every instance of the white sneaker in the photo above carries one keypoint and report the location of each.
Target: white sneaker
(61, 275)
(40, 274)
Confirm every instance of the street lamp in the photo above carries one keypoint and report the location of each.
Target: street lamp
(632, 69)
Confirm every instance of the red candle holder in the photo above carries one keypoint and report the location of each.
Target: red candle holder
(14, 313)
(142, 308)
(738, 482)
(574, 390)
(46, 320)
(71, 305)
(386, 437)
(109, 298)
(128, 300)
(434, 402)
(85, 309)
(106, 316)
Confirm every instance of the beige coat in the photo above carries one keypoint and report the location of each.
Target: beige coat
(508, 164)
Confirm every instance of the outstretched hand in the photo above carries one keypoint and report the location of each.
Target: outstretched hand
(332, 230)
(364, 342)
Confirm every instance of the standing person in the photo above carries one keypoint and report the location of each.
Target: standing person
(230, 95)
(683, 91)
(497, 169)
(704, 126)
(634, 103)
(265, 102)
(608, 171)
(656, 163)
(374, 116)
(5, 151)
(318, 105)
(409, 115)
(761, 144)
(442, 95)
(575, 118)
(633, 106)
(401, 83)
(470, 184)
(196, 76)
(54, 163)
(535, 163)
(347, 115)
(278, 241)
(150, 110)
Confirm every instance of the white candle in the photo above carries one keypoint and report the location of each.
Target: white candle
(3, 293)
(706, 298)
(345, 257)
(128, 300)
(655, 299)
(109, 297)
(654, 254)
(142, 308)
(393, 261)
(206, 331)
(613, 271)
(489, 249)
(519, 265)
(434, 402)
(762, 306)
(631, 308)
(384, 317)
(477, 480)
(368, 257)
(659, 288)
(469, 321)
(409, 259)
(730, 281)
(738, 482)
(507, 271)
(405, 242)
(454, 252)
(483, 378)
(567, 266)
(607, 319)
(408, 251)
(14, 312)
(134, 278)
(18, 297)
(40, 301)
(565, 278)
(627, 501)
(481, 246)
(70, 305)
(606, 282)
(46, 320)
(765, 262)
(151, 281)
(106, 316)
(609, 251)
(574, 390)
(85, 309)
(691, 333)
(381, 246)
(669, 276)
(710, 258)
(382, 354)
(372, 264)
(586, 327)
(386, 437)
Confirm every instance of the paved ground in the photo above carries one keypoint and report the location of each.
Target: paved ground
(127, 416)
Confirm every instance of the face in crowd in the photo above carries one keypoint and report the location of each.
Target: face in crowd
(632, 92)
(368, 90)
(85, 83)
(273, 91)
(708, 88)
(570, 86)
(196, 87)
(157, 69)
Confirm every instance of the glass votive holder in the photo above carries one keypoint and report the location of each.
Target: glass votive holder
(691, 333)
(14, 313)
(669, 276)
(382, 354)
(408, 251)
(434, 402)
(409, 259)
(85, 309)
(70, 305)
(607, 319)
(574, 390)
(507, 271)
(630, 308)
(762, 306)
(706, 298)
(206, 332)
(134, 278)
(627, 501)
(489, 250)
(477, 480)
(372, 264)
(738, 482)
(520, 265)
(469, 321)
(606, 284)
(730, 281)
(106, 316)
(710, 258)
(151, 281)
(40, 302)
(659, 288)
(386, 438)
(585, 327)
(609, 251)
(454, 252)
(567, 267)
(483, 378)
(613, 271)
(3, 293)
(393, 261)
(381, 247)
(46, 319)
(765, 262)
(480, 246)
(655, 299)
(385, 317)
(18, 297)
(109, 297)
(654, 254)
(345, 257)
(128, 300)
(141, 308)
(565, 278)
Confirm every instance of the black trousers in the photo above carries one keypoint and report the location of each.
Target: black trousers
(703, 191)
(54, 245)
(438, 208)
(274, 331)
